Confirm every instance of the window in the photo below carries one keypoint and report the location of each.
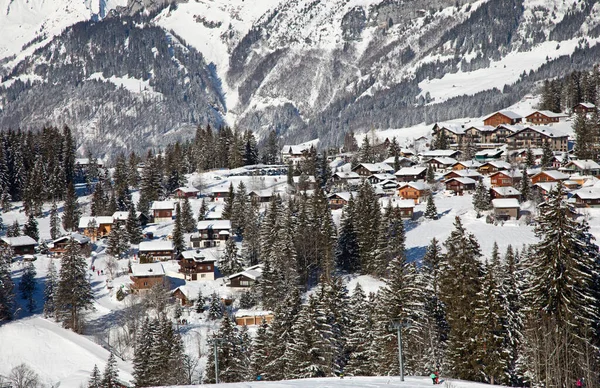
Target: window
(145, 283)
(200, 268)
(202, 275)
(244, 283)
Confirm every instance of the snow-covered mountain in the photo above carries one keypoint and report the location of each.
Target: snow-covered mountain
(319, 68)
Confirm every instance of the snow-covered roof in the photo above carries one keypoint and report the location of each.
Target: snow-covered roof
(410, 171)
(584, 164)
(466, 173)
(463, 180)
(347, 175)
(554, 174)
(103, 220)
(547, 113)
(404, 203)
(391, 160)
(295, 149)
(148, 269)
(156, 245)
(187, 190)
(254, 272)
(309, 179)
(489, 152)
(163, 205)
(499, 164)
(375, 167)
(588, 105)
(547, 186)
(512, 128)
(266, 193)
(214, 224)
(509, 173)
(19, 241)
(416, 185)
(588, 193)
(199, 255)
(505, 203)
(510, 114)
(343, 195)
(80, 238)
(547, 131)
(469, 163)
(446, 161)
(383, 176)
(506, 190)
(438, 153)
(457, 129)
(483, 128)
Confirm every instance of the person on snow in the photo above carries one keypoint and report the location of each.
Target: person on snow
(433, 378)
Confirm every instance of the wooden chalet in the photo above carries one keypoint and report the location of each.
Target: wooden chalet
(345, 177)
(535, 136)
(415, 191)
(95, 227)
(378, 178)
(261, 196)
(473, 174)
(587, 197)
(120, 218)
(505, 178)
(146, 276)
(584, 107)
(339, 200)
(411, 174)
(583, 167)
(295, 153)
(402, 161)
(460, 185)
(197, 265)
(466, 165)
(506, 208)
(20, 245)
(548, 176)
(247, 278)
(489, 154)
(493, 166)
(544, 117)
(184, 295)
(59, 246)
(503, 117)
(162, 211)
(156, 250)
(367, 169)
(544, 188)
(426, 155)
(441, 163)
(186, 192)
(211, 233)
(405, 207)
(305, 182)
(251, 317)
(505, 192)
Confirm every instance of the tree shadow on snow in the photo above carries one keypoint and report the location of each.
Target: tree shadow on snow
(415, 254)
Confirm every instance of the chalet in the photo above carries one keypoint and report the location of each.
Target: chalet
(452, 132)
(571, 184)
(389, 186)
(473, 174)
(186, 295)
(466, 165)
(120, 218)
(21, 245)
(584, 107)
(439, 154)
(95, 227)
(505, 192)
(162, 211)
(338, 200)
(261, 196)
(416, 191)
(186, 192)
(506, 208)
(480, 135)
(549, 176)
(378, 178)
(59, 246)
(211, 233)
(520, 155)
(367, 169)
(585, 180)
(406, 208)
(146, 276)
(197, 265)
(156, 250)
(295, 153)
(246, 278)
(494, 166)
(441, 163)
(489, 154)
(219, 192)
(411, 174)
(345, 177)
(535, 136)
(583, 167)
(460, 185)
(505, 130)
(544, 188)
(544, 117)
(252, 317)
(505, 178)
(402, 161)
(305, 182)
(587, 197)
(408, 153)
(502, 117)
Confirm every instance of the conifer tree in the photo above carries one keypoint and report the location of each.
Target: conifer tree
(178, 241)
(74, 292)
(525, 185)
(430, 175)
(227, 347)
(228, 206)
(584, 137)
(239, 209)
(95, 380)
(481, 198)
(431, 210)
(50, 287)
(230, 263)
(215, 310)
(203, 210)
(359, 334)
(132, 226)
(118, 244)
(14, 230)
(347, 252)
(367, 218)
(512, 288)
(366, 151)
(142, 372)
(27, 286)
(260, 351)
(251, 241)
(98, 200)
(187, 216)
(547, 156)
(71, 212)
(200, 302)
(7, 292)
(54, 222)
(529, 158)
(31, 228)
(110, 378)
(391, 240)
(461, 282)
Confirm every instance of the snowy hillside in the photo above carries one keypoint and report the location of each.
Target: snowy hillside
(355, 382)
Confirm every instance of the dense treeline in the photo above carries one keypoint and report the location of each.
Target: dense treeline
(562, 94)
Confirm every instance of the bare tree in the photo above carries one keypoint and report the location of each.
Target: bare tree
(22, 376)
(112, 266)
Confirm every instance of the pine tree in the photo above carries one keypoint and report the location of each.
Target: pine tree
(228, 206)
(461, 282)
(430, 175)
(50, 287)
(14, 230)
(31, 228)
(110, 379)
(71, 212)
(200, 302)
(391, 240)
(547, 155)
(251, 241)
(525, 185)
(118, 244)
(366, 151)
(178, 241)
(133, 227)
(230, 263)
(203, 210)
(367, 217)
(7, 295)
(359, 334)
(54, 222)
(74, 292)
(529, 158)
(95, 380)
(481, 198)
(584, 137)
(347, 253)
(99, 200)
(142, 372)
(187, 216)
(27, 286)
(260, 351)
(215, 310)
(431, 210)
(227, 347)
(239, 209)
